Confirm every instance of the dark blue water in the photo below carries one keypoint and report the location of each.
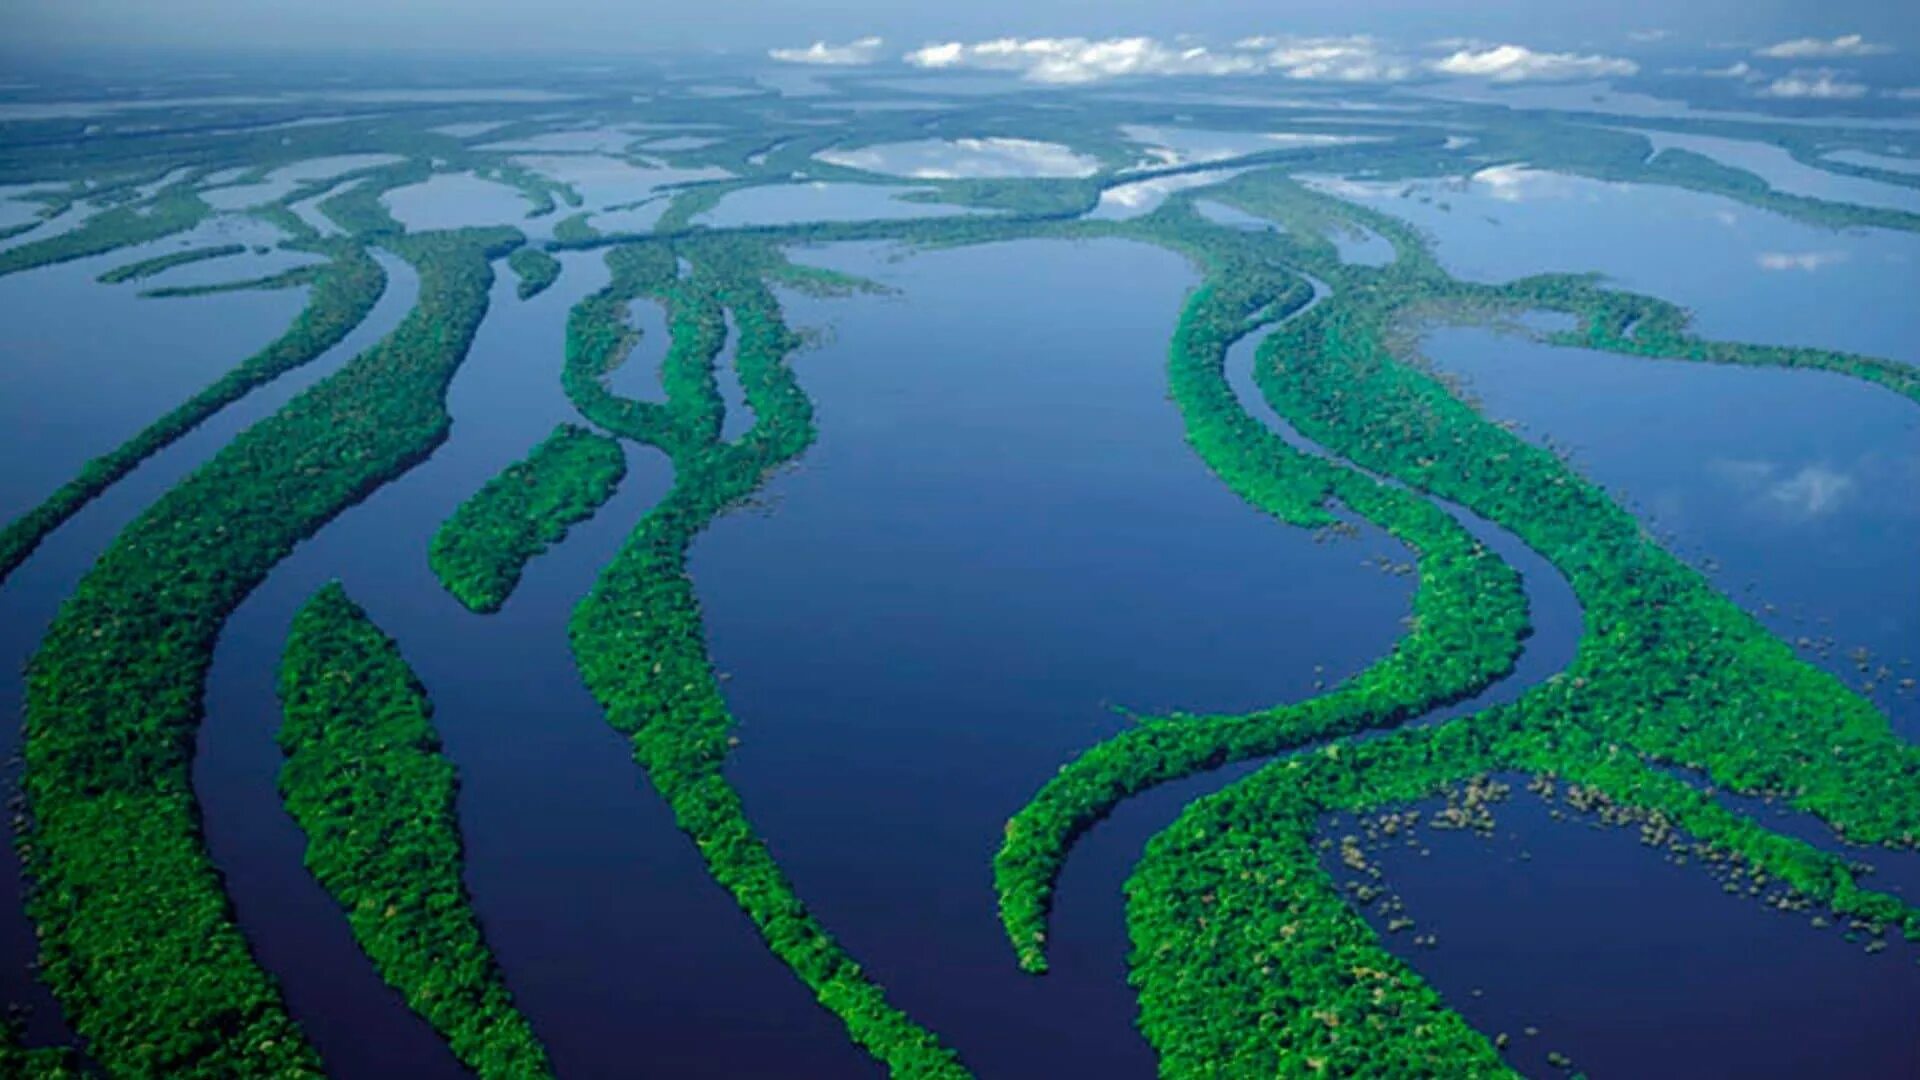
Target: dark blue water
(999, 536)
(1634, 966)
(85, 366)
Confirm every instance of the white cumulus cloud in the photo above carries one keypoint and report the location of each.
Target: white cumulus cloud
(1515, 63)
(1332, 59)
(1350, 59)
(1080, 60)
(1823, 48)
(863, 51)
(1823, 84)
(1739, 69)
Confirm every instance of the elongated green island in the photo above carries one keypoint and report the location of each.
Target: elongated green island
(480, 552)
(365, 779)
(160, 264)
(638, 639)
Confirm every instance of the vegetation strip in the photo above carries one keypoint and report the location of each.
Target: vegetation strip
(365, 779)
(285, 279)
(138, 940)
(344, 291)
(160, 264)
(1244, 952)
(638, 637)
(480, 551)
(175, 211)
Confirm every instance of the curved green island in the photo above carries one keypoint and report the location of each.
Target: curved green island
(480, 552)
(160, 264)
(536, 270)
(1244, 951)
(365, 780)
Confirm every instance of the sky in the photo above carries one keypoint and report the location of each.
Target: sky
(753, 26)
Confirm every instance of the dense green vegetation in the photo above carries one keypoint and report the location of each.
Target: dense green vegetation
(138, 940)
(1243, 951)
(17, 1059)
(1468, 615)
(146, 268)
(479, 553)
(638, 638)
(536, 270)
(365, 779)
(176, 210)
(1645, 326)
(344, 291)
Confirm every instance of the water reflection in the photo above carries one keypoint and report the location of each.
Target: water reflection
(784, 204)
(949, 159)
(1777, 167)
(1799, 490)
(1743, 272)
(1143, 196)
(1178, 145)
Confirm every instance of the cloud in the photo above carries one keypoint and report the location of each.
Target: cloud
(1518, 183)
(864, 51)
(1823, 48)
(1822, 84)
(1739, 69)
(1334, 59)
(1808, 261)
(1080, 60)
(1812, 492)
(1905, 93)
(1648, 37)
(1350, 59)
(1809, 492)
(1516, 63)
